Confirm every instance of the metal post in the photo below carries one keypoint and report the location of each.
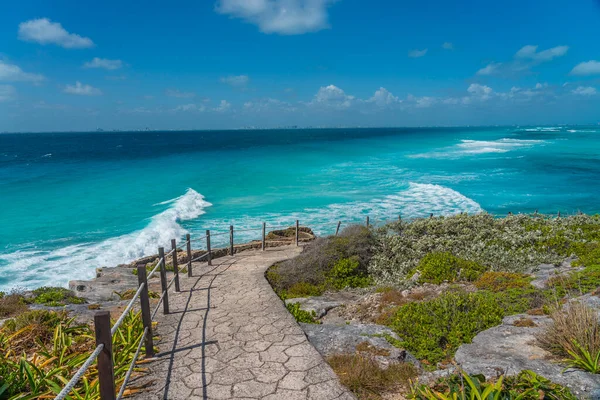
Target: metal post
(163, 279)
(175, 264)
(367, 221)
(145, 306)
(106, 374)
(208, 247)
(337, 230)
(264, 230)
(189, 254)
(230, 240)
(297, 231)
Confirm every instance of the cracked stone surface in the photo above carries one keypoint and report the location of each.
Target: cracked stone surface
(228, 336)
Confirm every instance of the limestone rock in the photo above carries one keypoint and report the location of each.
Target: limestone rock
(344, 339)
(509, 349)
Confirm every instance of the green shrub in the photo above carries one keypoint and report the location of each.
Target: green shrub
(500, 281)
(441, 267)
(346, 273)
(433, 330)
(301, 315)
(527, 385)
(55, 296)
(517, 301)
(303, 289)
(317, 266)
(576, 283)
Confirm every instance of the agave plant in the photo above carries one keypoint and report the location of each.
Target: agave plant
(582, 358)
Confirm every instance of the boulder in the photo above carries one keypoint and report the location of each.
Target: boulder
(348, 339)
(509, 349)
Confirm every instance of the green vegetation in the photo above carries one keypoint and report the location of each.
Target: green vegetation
(445, 267)
(301, 315)
(525, 386)
(501, 281)
(575, 336)
(513, 244)
(366, 379)
(578, 282)
(330, 263)
(41, 350)
(55, 297)
(433, 330)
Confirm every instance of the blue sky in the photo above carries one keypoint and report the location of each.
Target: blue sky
(67, 65)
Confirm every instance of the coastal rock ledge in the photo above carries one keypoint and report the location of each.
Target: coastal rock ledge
(509, 349)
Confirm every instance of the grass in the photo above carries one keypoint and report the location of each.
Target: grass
(575, 336)
(308, 317)
(367, 380)
(527, 385)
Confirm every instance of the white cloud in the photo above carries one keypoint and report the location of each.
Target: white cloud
(268, 104)
(382, 97)
(530, 52)
(285, 17)
(103, 63)
(489, 69)
(448, 46)
(7, 92)
(190, 108)
(44, 31)
(539, 86)
(13, 73)
(591, 67)
(417, 53)
(223, 106)
(481, 91)
(178, 94)
(333, 97)
(238, 81)
(82, 90)
(584, 91)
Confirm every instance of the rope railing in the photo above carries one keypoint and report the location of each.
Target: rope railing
(132, 365)
(126, 310)
(79, 374)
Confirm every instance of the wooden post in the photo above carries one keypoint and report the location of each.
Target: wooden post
(208, 247)
(264, 232)
(399, 217)
(145, 306)
(175, 265)
(163, 280)
(189, 253)
(338, 228)
(106, 374)
(230, 240)
(559, 214)
(367, 221)
(297, 231)
(431, 215)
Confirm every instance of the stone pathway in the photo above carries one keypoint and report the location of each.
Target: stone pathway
(228, 336)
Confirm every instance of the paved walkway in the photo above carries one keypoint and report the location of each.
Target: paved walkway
(229, 336)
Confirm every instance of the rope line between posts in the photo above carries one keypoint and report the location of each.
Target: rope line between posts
(132, 365)
(126, 311)
(86, 365)
(160, 300)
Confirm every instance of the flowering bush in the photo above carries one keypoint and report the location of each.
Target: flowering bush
(517, 243)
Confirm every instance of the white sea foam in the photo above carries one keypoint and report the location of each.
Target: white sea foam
(418, 200)
(477, 147)
(30, 269)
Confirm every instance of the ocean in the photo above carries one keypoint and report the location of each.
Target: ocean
(72, 202)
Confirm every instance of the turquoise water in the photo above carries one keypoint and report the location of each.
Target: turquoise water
(71, 202)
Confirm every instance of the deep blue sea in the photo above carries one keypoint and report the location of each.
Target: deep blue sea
(71, 202)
